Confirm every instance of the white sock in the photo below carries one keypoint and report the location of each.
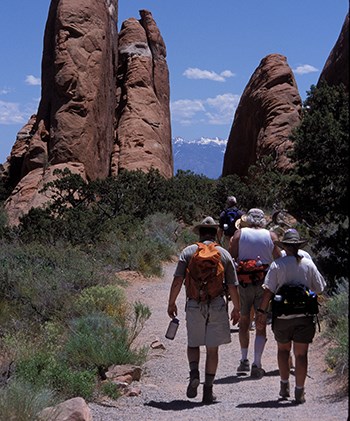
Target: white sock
(259, 346)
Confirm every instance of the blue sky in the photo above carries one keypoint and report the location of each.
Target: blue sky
(213, 48)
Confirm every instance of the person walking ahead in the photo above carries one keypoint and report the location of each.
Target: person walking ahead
(298, 328)
(207, 321)
(253, 245)
(227, 220)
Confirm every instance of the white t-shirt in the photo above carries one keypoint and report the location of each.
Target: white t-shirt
(254, 242)
(286, 270)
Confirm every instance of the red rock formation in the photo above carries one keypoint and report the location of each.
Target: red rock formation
(79, 82)
(26, 194)
(76, 120)
(268, 111)
(143, 115)
(336, 69)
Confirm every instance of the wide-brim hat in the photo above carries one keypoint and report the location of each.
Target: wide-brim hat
(291, 238)
(241, 222)
(208, 222)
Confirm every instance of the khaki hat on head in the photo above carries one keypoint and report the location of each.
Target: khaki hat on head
(255, 218)
(207, 222)
(241, 222)
(291, 237)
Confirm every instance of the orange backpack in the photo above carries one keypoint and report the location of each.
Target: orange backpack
(205, 273)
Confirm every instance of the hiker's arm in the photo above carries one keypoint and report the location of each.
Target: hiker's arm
(235, 314)
(264, 305)
(276, 252)
(233, 247)
(174, 292)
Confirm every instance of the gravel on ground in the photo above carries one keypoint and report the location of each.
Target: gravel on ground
(165, 375)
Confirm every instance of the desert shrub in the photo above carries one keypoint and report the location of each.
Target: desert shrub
(43, 369)
(110, 389)
(22, 401)
(337, 329)
(43, 280)
(109, 299)
(162, 230)
(95, 341)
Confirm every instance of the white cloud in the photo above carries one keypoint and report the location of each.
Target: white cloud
(32, 80)
(195, 73)
(10, 113)
(5, 91)
(304, 69)
(221, 109)
(214, 111)
(186, 108)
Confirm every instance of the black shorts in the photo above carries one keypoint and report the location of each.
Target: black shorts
(299, 329)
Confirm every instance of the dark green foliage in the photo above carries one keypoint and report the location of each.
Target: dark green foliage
(44, 370)
(318, 191)
(321, 154)
(192, 196)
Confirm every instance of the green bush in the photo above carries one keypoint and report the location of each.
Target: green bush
(110, 389)
(337, 329)
(95, 341)
(46, 370)
(21, 401)
(109, 299)
(43, 280)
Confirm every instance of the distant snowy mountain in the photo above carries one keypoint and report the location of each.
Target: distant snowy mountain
(202, 156)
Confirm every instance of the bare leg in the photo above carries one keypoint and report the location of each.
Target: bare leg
(283, 352)
(301, 361)
(244, 322)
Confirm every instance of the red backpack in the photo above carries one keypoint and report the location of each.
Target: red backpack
(205, 273)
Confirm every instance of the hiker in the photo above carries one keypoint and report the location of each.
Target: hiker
(289, 329)
(253, 250)
(227, 220)
(207, 319)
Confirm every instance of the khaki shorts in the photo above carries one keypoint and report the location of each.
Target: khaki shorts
(299, 329)
(250, 295)
(207, 325)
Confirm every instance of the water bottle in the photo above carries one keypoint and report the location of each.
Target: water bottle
(172, 328)
(258, 261)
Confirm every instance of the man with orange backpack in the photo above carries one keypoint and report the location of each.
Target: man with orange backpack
(206, 269)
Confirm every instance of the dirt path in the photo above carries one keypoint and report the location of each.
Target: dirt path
(165, 377)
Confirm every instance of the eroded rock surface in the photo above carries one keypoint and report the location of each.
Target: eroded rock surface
(269, 109)
(336, 69)
(143, 115)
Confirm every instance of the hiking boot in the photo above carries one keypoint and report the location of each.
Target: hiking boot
(299, 395)
(284, 390)
(193, 384)
(208, 397)
(243, 367)
(257, 372)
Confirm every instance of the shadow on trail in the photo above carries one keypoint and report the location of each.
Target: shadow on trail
(243, 378)
(177, 405)
(280, 403)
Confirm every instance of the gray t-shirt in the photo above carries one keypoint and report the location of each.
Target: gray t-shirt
(226, 259)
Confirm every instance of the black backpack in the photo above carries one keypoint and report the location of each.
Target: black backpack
(231, 216)
(294, 299)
